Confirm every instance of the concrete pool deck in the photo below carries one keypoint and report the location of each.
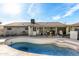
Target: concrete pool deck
(5, 50)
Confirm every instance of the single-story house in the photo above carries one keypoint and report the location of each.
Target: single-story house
(37, 28)
(27, 28)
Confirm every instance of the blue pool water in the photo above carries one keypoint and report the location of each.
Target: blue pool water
(48, 49)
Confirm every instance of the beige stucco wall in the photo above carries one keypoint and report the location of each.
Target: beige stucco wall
(15, 30)
(31, 32)
(1, 30)
(67, 30)
(76, 27)
(19, 30)
(73, 28)
(70, 28)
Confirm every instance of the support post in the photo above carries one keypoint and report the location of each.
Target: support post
(56, 31)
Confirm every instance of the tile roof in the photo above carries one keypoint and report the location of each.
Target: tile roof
(46, 24)
(52, 24)
(76, 24)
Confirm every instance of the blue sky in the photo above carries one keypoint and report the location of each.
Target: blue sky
(42, 12)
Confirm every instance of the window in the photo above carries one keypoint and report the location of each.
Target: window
(23, 32)
(51, 28)
(9, 28)
(40, 28)
(34, 28)
(45, 27)
(26, 28)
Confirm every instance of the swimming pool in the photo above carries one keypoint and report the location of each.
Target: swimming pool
(47, 49)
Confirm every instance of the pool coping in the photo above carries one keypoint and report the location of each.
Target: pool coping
(60, 40)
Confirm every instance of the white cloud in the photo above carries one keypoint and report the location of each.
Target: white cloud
(6, 21)
(68, 13)
(71, 11)
(30, 9)
(33, 10)
(56, 17)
